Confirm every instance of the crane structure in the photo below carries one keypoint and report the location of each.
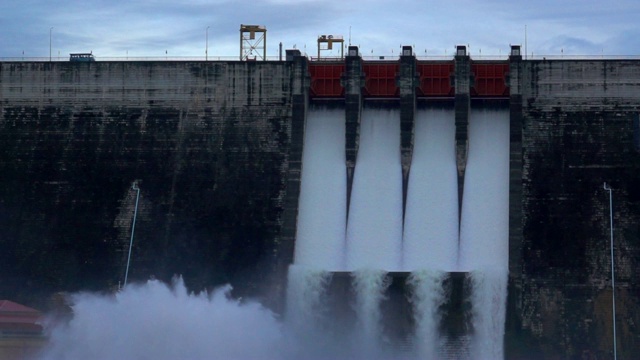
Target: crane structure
(325, 43)
(253, 42)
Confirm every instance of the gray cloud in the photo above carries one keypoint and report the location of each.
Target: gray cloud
(149, 28)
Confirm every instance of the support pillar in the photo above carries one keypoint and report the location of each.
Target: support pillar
(515, 162)
(407, 82)
(286, 241)
(462, 83)
(457, 318)
(352, 81)
(513, 324)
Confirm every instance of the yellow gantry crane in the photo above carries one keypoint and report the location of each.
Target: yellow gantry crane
(325, 43)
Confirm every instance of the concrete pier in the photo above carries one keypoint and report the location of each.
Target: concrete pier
(514, 284)
(300, 101)
(463, 82)
(353, 81)
(407, 82)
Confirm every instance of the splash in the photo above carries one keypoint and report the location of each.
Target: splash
(427, 296)
(157, 321)
(307, 317)
(370, 286)
(489, 311)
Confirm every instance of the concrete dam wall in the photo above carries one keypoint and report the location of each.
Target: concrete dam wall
(216, 149)
(209, 145)
(579, 129)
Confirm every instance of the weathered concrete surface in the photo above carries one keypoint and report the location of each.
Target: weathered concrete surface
(287, 235)
(208, 144)
(577, 133)
(463, 83)
(353, 82)
(407, 80)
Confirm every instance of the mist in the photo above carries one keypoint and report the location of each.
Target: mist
(159, 321)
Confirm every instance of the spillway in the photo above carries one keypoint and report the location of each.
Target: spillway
(320, 240)
(430, 237)
(365, 283)
(322, 205)
(484, 233)
(485, 212)
(374, 229)
(431, 221)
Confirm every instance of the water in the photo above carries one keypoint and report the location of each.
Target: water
(373, 234)
(489, 298)
(308, 325)
(374, 230)
(314, 328)
(156, 321)
(431, 242)
(431, 232)
(427, 296)
(370, 286)
(323, 193)
(484, 233)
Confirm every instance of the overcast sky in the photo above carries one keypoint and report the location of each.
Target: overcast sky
(159, 28)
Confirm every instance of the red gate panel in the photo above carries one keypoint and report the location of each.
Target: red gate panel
(435, 79)
(325, 79)
(380, 79)
(490, 79)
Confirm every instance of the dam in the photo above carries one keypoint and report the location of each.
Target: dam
(234, 158)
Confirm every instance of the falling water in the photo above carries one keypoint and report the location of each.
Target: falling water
(430, 244)
(431, 220)
(484, 233)
(307, 311)
(370, 286)
(489, 297)
(323, 193)
(321, 228)
(427, 296)
(374, 229)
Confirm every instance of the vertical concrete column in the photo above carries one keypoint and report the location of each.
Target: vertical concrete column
(407, 82)
(462, 83)
(457, 320)
(353, 81)
(513, 323)
(515, 162)
(300, 94)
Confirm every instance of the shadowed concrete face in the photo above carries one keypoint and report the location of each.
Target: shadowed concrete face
(398, 318)
(455, 320)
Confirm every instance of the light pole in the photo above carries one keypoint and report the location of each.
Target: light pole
(133, 228)
(206, 49)
(50, 30)
(613, 281)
